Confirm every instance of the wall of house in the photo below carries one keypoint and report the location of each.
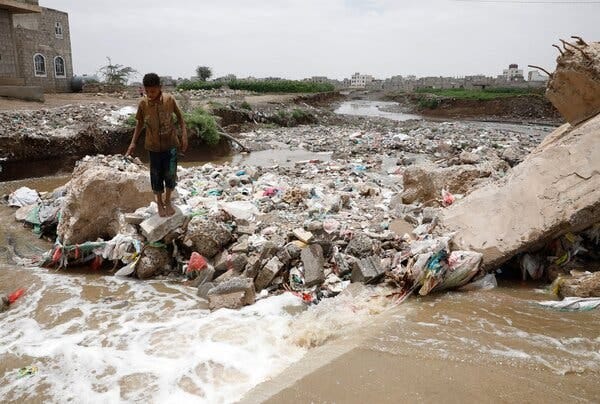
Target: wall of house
(35, 33)
(8, 61)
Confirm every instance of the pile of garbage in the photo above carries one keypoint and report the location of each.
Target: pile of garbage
(242, 231)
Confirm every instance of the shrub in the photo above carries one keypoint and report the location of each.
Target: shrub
(204, 125)
(247, 106)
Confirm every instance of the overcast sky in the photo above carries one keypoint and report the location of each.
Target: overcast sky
(334, 38)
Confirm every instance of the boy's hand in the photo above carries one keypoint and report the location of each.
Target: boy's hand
(130, 150)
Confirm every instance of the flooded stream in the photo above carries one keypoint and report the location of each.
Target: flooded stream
(97, 338)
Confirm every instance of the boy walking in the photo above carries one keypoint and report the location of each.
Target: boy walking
(155, 113)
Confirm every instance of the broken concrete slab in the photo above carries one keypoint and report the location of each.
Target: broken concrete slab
(232, 294)
(155, 228)
(226, 261)
(313, 263)
(574, 87)
(367, 269)
(267, 273)
(556, 189)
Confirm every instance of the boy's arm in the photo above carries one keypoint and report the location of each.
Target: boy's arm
(182, 125)
(136, 134)
(139, 124)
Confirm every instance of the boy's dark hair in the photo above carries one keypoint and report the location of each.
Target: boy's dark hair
(151, 80)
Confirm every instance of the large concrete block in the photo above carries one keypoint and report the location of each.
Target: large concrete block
(556, 189)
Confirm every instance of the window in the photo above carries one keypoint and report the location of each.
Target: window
(39, 65)
(58, 31)
(59, 67)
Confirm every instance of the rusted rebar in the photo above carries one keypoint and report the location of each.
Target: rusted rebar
(540, 68)
(559, 49)
(580, 41)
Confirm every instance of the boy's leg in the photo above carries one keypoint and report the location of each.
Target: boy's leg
(170, 180)
(156, 181)
(161, 205)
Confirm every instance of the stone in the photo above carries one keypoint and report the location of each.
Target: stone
(430, 214)
(587, 285)
(367, 270)
(249, 229)
(294, 250)
(400, 227)
(303, 235)
(242, 246)
(268, 273)
(153, 261)
(360, 246)
(574, 87)
(424, 183)
(4, 303)
(252, 267)
(155, 228)
(96, 193)
(555, 190)
(204, 288)
(512, 156)
(232, 294)
(207, 236)
(226, 261)
(469, 158)
(313, 263)
(203, 276)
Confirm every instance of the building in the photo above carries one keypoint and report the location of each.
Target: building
(35, 49)
(535, 75)
(513, 73)
(360, 80)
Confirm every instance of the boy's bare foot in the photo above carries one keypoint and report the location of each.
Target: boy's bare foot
(169, 209)
(162, 212)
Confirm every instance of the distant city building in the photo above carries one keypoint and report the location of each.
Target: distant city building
(513, 73)
(35, 47)
(360, 80)
(535, 75)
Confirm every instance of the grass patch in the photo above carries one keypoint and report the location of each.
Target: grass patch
(246, 105)
(481, 95)
(275, 86)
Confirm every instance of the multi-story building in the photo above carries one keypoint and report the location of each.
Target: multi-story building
(513, 73)
(535, 75)
(360, 80)
(35, 48)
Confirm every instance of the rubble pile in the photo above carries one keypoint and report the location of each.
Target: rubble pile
(256, 231)
(60, 121)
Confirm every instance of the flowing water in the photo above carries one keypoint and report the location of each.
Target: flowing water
(96, 338)
(373, 109)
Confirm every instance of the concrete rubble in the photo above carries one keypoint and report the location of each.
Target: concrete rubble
(418, 206)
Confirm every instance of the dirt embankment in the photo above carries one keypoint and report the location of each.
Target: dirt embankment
(529, 108)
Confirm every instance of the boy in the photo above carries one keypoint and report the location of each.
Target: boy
(155, 113)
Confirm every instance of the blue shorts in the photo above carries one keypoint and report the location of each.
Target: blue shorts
(163, 170)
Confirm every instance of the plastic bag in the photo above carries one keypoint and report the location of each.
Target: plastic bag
(23, 197)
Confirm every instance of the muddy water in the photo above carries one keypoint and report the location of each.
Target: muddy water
(373, 109)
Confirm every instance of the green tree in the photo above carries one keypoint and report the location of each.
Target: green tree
(203, 72)
(116, 74)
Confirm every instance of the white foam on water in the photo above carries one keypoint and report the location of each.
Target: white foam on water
(149, 344)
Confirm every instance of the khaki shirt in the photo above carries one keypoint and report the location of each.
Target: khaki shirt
(157, 117)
